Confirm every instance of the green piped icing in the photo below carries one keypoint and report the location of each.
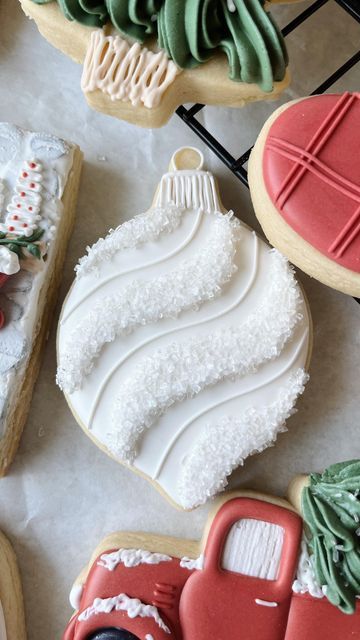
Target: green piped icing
(331, 510)
(192, 31)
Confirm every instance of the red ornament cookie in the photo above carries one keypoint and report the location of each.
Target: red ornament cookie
(254, 575)
(304, 175)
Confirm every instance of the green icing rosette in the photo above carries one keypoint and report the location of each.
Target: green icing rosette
(192, 31)
(331, 510)
(92, 13)
(134, 18)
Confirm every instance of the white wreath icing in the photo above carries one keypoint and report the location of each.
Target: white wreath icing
(224, 445)
(184, 369)
(143, 302)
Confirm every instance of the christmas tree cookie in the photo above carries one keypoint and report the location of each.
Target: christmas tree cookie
(143, 59)
(39, 177)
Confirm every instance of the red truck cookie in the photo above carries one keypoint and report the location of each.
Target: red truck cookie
(240, 587)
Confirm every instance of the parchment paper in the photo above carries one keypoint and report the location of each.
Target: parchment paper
(62, 494)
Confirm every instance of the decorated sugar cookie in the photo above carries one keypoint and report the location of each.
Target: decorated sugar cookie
(143, 59)
(183, 342)
(12, 621)
(39, 177)
(261, 571)
(304, 178)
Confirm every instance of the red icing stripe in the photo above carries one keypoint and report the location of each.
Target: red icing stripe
(312, 173)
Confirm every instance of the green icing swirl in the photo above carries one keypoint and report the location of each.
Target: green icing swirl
(331, 510)
(192, 31)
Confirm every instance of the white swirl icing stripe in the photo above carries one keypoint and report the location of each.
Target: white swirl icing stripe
(133, 607)
(131, 558)
(23, 210)
(130, 73)
(145, 227)
(190, 190)
(184, 369)
(224, 445)
(141, 302)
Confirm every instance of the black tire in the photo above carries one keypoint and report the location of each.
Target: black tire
(112, 634)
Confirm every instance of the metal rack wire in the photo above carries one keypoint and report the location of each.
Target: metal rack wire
(236, 165)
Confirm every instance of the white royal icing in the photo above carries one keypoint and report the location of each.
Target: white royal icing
(172, 381)
(305, 581)
(3, 635)
(149, 637)
(127, 72)
(131, 558)
(76, 595)
(133, 607)
(191, 563)
(266, 603)
(22, 216)
(9, 261)
(253, 548)
(20, 294)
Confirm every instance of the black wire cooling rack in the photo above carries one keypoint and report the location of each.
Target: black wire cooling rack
(236, 165)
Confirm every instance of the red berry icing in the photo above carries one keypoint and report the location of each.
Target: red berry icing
(32, 185)
(11, 228)
(312, 173)
(32, 165)
(23, 194)
(15, 217)
(24, 174)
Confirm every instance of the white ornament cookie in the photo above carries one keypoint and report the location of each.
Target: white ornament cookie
(12, 620)
(183, 342)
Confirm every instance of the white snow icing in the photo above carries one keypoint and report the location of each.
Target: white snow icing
(305, 576)
(183, 369)
(75, 596)
(133, 607)
(224, 445)
(149, 637)
(145, 227)
(141, 302)
(191, 563)
(131, 558)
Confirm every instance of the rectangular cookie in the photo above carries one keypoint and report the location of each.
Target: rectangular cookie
(39, 180)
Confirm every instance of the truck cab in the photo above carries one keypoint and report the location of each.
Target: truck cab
(240, 588)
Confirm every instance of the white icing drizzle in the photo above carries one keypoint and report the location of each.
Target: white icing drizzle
(145, 227)
(76, 595)
(130, 73)
(190, 190)
(23, 210)
(183, 369)
(196, 324)
(191, 563)
(253, 548)
(131, 558)
(305, 576)
(149, 637)
(141, 302)
(224, 445)
(266, 603)
(3, 634)
(133, 607)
